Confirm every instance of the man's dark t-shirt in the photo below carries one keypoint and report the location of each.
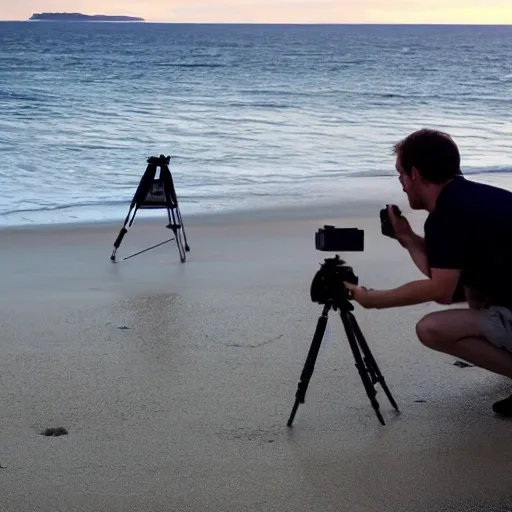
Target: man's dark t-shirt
(471, 230)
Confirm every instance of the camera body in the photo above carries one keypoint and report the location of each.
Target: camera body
(330, 239)
(385, 222)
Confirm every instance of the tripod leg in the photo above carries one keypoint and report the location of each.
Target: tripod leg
(370, 360)
(309, 365)
(361, 367)
(117, 243)
(177, 233)
(174, 201)
(187, 247)
(123, 232)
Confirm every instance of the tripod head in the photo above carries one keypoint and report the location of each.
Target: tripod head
(328, 285)
(159, 161)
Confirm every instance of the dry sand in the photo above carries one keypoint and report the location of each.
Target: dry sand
(175, 381)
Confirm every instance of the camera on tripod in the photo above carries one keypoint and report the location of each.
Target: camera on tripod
(328, 288)
(330, 239)
(328, 283)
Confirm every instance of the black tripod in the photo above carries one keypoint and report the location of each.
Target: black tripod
(156, 193)
(365, 363)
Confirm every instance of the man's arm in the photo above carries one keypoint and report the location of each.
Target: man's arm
(439, 288)
(446, 236)
(418, 252)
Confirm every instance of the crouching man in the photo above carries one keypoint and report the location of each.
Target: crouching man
(467, 247)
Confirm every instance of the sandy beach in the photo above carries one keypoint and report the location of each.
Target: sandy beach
(175, 381)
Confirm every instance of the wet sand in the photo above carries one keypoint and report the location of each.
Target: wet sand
(175, 381)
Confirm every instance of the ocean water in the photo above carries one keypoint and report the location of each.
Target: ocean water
(253, 116)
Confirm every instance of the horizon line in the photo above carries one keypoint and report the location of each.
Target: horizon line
(343, 23)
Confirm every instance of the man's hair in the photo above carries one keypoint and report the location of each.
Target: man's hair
(432, 152)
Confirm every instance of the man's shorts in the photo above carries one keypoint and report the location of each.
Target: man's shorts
(496, 325)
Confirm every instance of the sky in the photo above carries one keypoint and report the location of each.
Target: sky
(277, 11)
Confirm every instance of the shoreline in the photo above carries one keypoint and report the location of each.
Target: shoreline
(356, 197)
(346, 209)
(351, 192)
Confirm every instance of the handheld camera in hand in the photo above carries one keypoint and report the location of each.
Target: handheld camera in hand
(328, 289)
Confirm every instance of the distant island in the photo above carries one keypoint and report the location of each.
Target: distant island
(76, 16)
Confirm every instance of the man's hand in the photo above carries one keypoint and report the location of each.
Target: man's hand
(358, 293)
(409, 240)
(403, 231)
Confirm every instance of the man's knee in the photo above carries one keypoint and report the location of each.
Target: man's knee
(429, 332)
(442, 329)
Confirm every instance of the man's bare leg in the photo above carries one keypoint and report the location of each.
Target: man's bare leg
(457, 332)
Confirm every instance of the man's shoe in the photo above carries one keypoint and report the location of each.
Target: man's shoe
(503, 407)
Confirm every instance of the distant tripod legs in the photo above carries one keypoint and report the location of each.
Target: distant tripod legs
(180, 220)
(176, 228)
(360, 364)
(369, 360)
(309, 365)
